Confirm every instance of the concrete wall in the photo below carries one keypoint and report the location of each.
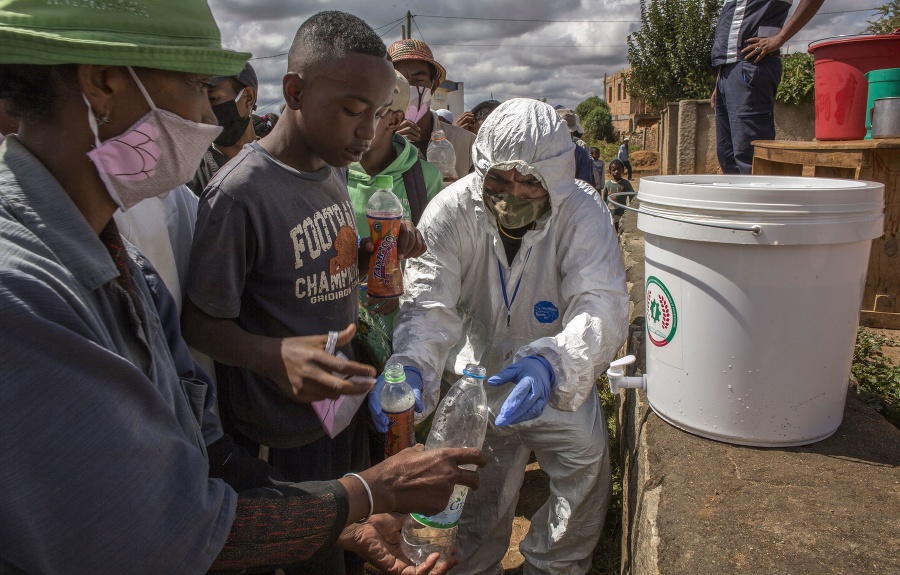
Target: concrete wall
(687, 143)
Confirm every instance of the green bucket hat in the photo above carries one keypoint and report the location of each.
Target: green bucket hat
(178, 35)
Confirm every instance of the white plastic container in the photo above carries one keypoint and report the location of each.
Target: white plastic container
(750, 330)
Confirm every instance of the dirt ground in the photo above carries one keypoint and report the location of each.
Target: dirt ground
(535, 491)
(891, 352)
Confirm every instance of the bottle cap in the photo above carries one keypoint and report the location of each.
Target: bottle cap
(438, 135)
(475, 370)
(393, 373)
(384, 182)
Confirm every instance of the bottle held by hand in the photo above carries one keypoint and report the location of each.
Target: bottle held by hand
(459, 421)
(398, 404)
(440, 152)
(384, 212)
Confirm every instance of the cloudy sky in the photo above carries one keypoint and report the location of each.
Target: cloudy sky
(524, 50)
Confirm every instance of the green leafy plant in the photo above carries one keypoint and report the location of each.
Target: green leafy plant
(878, 377)
(670, 53)
(797, 79)
(888, 19)
(598, 124)
(588, 106)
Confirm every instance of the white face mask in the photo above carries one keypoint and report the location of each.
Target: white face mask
(158, 153)
(419, 102)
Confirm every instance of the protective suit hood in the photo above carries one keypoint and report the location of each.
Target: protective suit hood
(528, 136)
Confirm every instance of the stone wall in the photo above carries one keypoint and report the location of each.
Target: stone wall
(687, 144)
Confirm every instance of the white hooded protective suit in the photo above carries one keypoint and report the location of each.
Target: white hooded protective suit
(570, 307)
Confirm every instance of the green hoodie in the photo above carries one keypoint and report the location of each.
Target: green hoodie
(362, 185)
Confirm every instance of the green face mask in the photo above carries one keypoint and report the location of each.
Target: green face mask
(512, 212)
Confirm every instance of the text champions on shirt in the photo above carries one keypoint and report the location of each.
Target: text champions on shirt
(329, 233)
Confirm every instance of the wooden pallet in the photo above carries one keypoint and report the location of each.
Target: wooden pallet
(872, 160)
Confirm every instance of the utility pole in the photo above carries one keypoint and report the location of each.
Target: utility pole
(408, 24)
(403, 32)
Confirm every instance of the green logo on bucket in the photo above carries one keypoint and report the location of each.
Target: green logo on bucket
(662, 317)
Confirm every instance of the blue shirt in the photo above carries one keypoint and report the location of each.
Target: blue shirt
(623, 153)
(104, 421)
(740, 20)
(583, 166)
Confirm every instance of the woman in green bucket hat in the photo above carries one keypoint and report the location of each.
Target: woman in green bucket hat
(114, 460)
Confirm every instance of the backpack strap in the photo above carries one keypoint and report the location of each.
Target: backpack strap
(414, 182)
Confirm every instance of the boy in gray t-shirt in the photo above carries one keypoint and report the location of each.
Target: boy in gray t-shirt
(275, 250)
(275, 256)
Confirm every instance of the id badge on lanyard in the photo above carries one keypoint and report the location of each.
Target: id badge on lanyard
(506, 348)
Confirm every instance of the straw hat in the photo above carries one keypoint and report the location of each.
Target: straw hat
(411, 49)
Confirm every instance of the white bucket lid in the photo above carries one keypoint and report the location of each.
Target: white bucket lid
(781, 210)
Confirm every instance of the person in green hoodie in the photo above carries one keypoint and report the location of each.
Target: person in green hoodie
(416, 181)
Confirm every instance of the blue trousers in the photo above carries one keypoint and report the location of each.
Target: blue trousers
(745, 101)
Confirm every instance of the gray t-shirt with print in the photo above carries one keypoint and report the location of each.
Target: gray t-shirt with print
(275, 249)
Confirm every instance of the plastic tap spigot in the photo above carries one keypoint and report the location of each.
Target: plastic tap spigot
(617, 378)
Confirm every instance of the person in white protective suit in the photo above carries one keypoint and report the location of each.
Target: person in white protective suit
(523, 275)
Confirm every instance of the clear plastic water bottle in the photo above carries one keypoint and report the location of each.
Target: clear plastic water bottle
(384, 212)
(398, 403)
(440, 153)
(460, 421)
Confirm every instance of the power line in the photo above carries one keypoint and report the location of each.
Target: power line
(848, 11)
(519, 19)
(389, 23)
(394, 27)
(270, 56)
(417, 28)
(531, 45)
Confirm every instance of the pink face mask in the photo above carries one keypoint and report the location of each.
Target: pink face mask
(419, 102)
(158, 153)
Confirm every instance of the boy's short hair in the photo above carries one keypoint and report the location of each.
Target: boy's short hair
(481, 110)
(595, 149)
(617, 161)
(328, 36)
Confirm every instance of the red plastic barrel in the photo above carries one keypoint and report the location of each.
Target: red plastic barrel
(841, 88)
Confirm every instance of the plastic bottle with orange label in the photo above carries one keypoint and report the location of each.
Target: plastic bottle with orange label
(398, 402)
(384, 212)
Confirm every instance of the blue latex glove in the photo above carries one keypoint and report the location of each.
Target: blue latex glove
(413, 378)
(534, 379)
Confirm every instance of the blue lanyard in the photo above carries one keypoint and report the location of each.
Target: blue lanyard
(509, 302)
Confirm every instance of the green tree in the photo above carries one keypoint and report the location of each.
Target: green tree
(586, 107)
(888, 19)
(670, 54)
(797, 80)
(598, 124)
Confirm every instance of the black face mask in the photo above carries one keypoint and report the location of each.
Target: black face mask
(230, 119)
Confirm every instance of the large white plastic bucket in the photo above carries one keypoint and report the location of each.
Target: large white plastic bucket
(751, 325)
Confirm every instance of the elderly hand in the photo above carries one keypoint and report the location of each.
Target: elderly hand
(534, 379)
(417, 480)
(378, 542)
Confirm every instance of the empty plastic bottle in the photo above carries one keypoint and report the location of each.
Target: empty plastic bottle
(460, 421)
(440, 153)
